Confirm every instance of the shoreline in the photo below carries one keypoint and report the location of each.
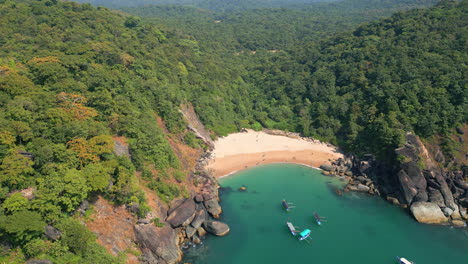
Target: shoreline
(302, 164)
(247, 149)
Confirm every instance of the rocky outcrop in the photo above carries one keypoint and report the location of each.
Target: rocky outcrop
(183, 214)
(428, 213)
(159, 245)
(216, 228)
(422, 180)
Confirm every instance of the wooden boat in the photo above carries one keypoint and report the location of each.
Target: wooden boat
(287, 205)
(292, 229)
(304, 234)
(317, 218)
(404, 261)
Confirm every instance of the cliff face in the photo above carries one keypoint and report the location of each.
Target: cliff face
(434, 194)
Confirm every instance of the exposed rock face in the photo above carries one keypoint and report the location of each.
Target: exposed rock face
(159, 245)
(422, 180)
(216, 228)
(428, 213)
(195, 124)
(213, 207)
(183, 214)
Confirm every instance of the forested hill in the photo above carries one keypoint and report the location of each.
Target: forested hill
(216, 5)
(364, 88)
(271, 28)
(74, 79)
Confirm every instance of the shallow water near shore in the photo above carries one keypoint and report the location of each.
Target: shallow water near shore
(360, 228)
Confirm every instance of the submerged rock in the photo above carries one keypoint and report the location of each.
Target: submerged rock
(428, 213)
(216, 228)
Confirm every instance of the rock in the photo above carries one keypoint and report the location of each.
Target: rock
(83, 207)
(200, 217)
(393, 200)
(352, 188)
(196, 240)
(207, 196)
(428, 213)
(327, 167)
(349, 173)
(183, 214)
(143, 221)
(447, 211)
(363, 188)
(439, 157)
(458, 223)
(159, 245)
(338, 192)
(326, 173)
(435, 196)
(52, 232)
(463, 202)
(39, 261)
(463, 212)
(243, 189)
(201, 231)
(213, 207)
(361, 179)
(198, 198)
(216, 228)
(456, 215)
(190, 231)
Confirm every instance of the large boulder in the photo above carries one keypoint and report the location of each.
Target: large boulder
(326, 167)
(200, 217)
(159, 245)
(183, 214)
(435, 196)
(213, 207)
(216, 228)
(428, 213)
(363, 188)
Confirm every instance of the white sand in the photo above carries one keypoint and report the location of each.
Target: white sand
(242, 150)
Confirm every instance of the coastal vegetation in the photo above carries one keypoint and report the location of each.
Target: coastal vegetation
(74, 78)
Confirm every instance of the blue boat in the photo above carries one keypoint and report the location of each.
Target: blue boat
(304, 234)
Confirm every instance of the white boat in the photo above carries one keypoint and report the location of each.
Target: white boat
(292, 228)
(404, 261)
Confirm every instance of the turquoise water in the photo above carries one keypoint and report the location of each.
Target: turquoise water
(360, 228)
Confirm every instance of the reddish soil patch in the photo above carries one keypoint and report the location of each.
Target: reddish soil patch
(114, 228)
(121, 140)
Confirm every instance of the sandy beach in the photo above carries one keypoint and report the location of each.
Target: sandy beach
(246, 149)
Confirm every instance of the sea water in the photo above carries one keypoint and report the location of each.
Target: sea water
(359, 229)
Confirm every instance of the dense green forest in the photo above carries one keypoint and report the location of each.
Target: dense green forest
(217, 5)
(271, 28)
(73, 76)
